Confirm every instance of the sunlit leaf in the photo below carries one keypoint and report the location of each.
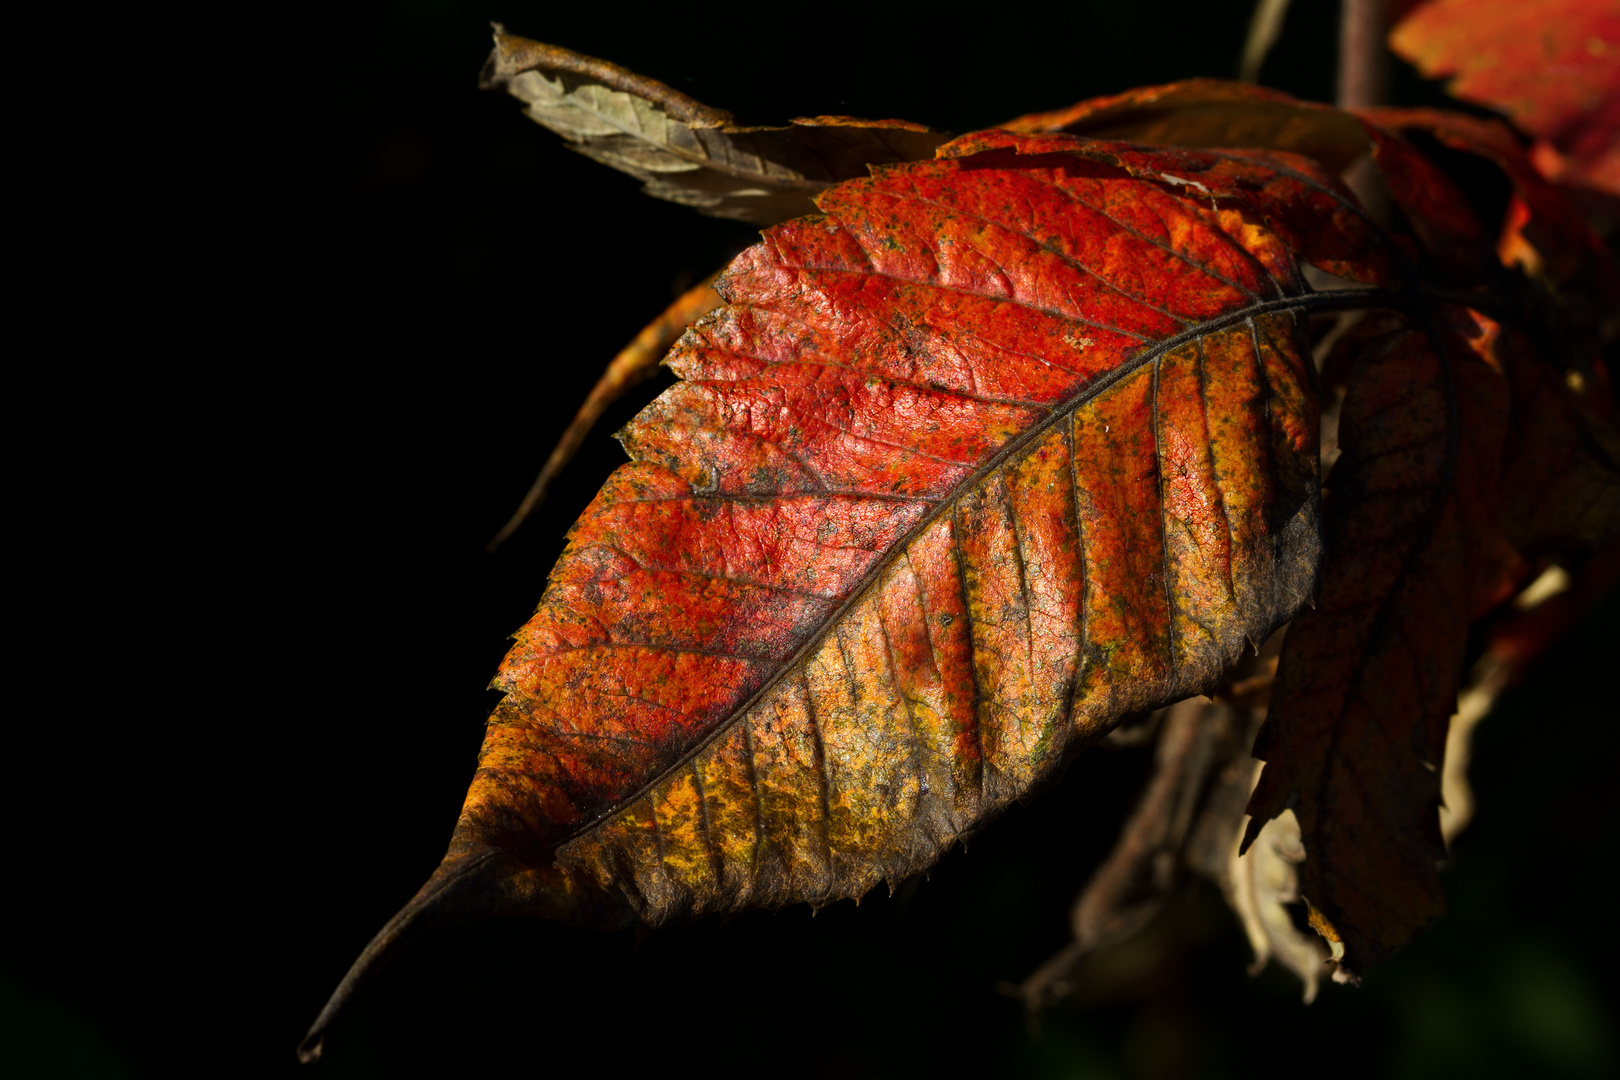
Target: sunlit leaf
(686, 152)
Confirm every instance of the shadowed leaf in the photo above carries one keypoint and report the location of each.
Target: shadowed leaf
(1561, 467)
(1556, 228)
(1368, 678)
(1210, 113)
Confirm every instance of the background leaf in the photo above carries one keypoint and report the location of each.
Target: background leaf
(1368, 677)
(685, 151)
(1552, 66)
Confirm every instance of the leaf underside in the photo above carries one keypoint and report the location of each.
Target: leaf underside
(687, 152)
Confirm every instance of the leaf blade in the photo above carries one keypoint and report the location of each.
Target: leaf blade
(1013, 506)
(1368, 677)
(684, 151)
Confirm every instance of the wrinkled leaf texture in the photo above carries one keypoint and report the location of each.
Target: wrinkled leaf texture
(685, 151)
(995, 450)
(1001, 448)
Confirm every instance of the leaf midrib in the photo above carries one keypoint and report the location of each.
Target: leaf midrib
(1336, 300)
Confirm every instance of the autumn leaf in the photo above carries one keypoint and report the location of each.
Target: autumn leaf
(1368, 678)
(685, 151)
(996, 450)
(1210, 113)
(633, 364)
(1552, 66)
(1542, 216)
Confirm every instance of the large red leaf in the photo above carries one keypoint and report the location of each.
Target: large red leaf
(999, 449)
(1368, 678)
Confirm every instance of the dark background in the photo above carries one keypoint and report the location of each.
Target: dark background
(323, 309)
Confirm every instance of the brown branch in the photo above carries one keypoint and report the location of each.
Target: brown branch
(1363, 58)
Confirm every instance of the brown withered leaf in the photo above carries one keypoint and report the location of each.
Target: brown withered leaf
(1210, 113)
(1368, 679)
(686, 152)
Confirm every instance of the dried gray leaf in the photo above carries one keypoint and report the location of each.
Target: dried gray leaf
(686, 152)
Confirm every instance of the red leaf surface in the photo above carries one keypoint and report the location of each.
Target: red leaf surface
(1368, 678)
(998, 449)
(1552, 66)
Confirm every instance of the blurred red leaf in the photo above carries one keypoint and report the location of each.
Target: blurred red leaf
(1553, 67)
(1564, 243)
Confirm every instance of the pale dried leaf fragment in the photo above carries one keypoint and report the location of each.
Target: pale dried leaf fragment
(1259, 887)
(686, 152)
(1494, 672)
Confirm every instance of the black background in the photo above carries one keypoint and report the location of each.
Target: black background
(323, 308)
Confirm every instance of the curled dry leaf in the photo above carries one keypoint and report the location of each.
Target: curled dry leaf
(1191, 817)
(1195, 740)
(685, 151)
(1260, 884)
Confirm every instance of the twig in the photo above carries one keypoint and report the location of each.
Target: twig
(1363, 59)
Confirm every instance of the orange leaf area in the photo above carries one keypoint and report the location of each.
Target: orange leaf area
(1000, 448)
(1368, 678)
(1552, 66)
